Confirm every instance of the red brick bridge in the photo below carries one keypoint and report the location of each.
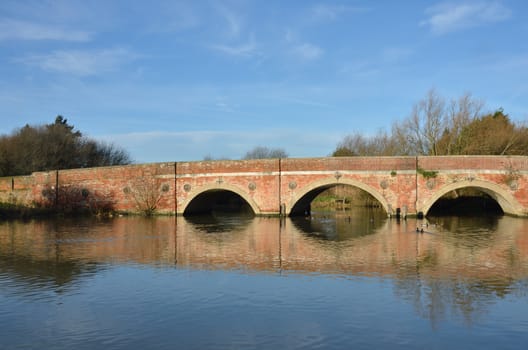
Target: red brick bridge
(406, 185)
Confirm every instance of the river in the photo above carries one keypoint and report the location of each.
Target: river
(333, 281)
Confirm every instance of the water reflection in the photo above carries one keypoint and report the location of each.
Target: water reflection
(458, 266)
(219, 223)
(341, 225)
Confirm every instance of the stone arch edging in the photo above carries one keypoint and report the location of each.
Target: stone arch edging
(331, 181)
(216, 187)
(506, 201)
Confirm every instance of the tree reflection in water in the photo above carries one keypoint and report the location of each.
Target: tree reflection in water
(341, 225)
(458, 268)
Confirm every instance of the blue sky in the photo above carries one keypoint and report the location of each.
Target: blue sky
(181, 80)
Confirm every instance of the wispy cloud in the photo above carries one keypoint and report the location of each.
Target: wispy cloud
(246, 49)
(304, 51)
(450, 17)
(21, 30)
(307, 51)
(362, 68)
(235, 40)
(327, 12)
(80, 63)
(233, 20)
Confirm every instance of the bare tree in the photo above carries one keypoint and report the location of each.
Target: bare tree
(434, 128)
(356, 144)
(146, 194)
(261, 152)
(460, 113)
(422, 130)
(209, 158)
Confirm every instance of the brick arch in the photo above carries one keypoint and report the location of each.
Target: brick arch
(331, 181)
(219, 187)
(505, 200)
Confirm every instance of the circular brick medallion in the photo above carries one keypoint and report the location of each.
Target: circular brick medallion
(430, 184)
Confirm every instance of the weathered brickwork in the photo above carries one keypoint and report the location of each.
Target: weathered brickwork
(391, 180)
(503, 178)
(409, 185)
(254, 180)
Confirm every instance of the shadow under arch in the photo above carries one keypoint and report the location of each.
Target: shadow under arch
(302, 200)
(202, 199)
(506, 201)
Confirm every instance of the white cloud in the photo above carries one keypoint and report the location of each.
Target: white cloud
(233, 20)
(80, 63)
(362, 68)
(242, 50)
(302, 50)
(21, 30)
(307, 51)
(326, 12)
(232, 41)
(450, 17)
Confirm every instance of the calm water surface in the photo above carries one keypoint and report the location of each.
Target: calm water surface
(349, 280)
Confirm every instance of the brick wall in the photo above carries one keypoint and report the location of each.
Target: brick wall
(266, 184)
(473, 162)
(349, 163)
(256, 179)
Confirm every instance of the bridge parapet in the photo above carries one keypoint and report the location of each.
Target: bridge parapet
(458, 163)
(230, 167)
(348, 163)
(285, 186)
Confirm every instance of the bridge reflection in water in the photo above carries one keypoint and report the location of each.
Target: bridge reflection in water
(461, 262)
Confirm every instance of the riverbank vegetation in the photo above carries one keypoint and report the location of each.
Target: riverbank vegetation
(66, 201)
(55, 146)
(10, 211)
(436, 127)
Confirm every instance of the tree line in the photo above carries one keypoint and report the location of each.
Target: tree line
(437, 127)
(434, 127)
(54, 146)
